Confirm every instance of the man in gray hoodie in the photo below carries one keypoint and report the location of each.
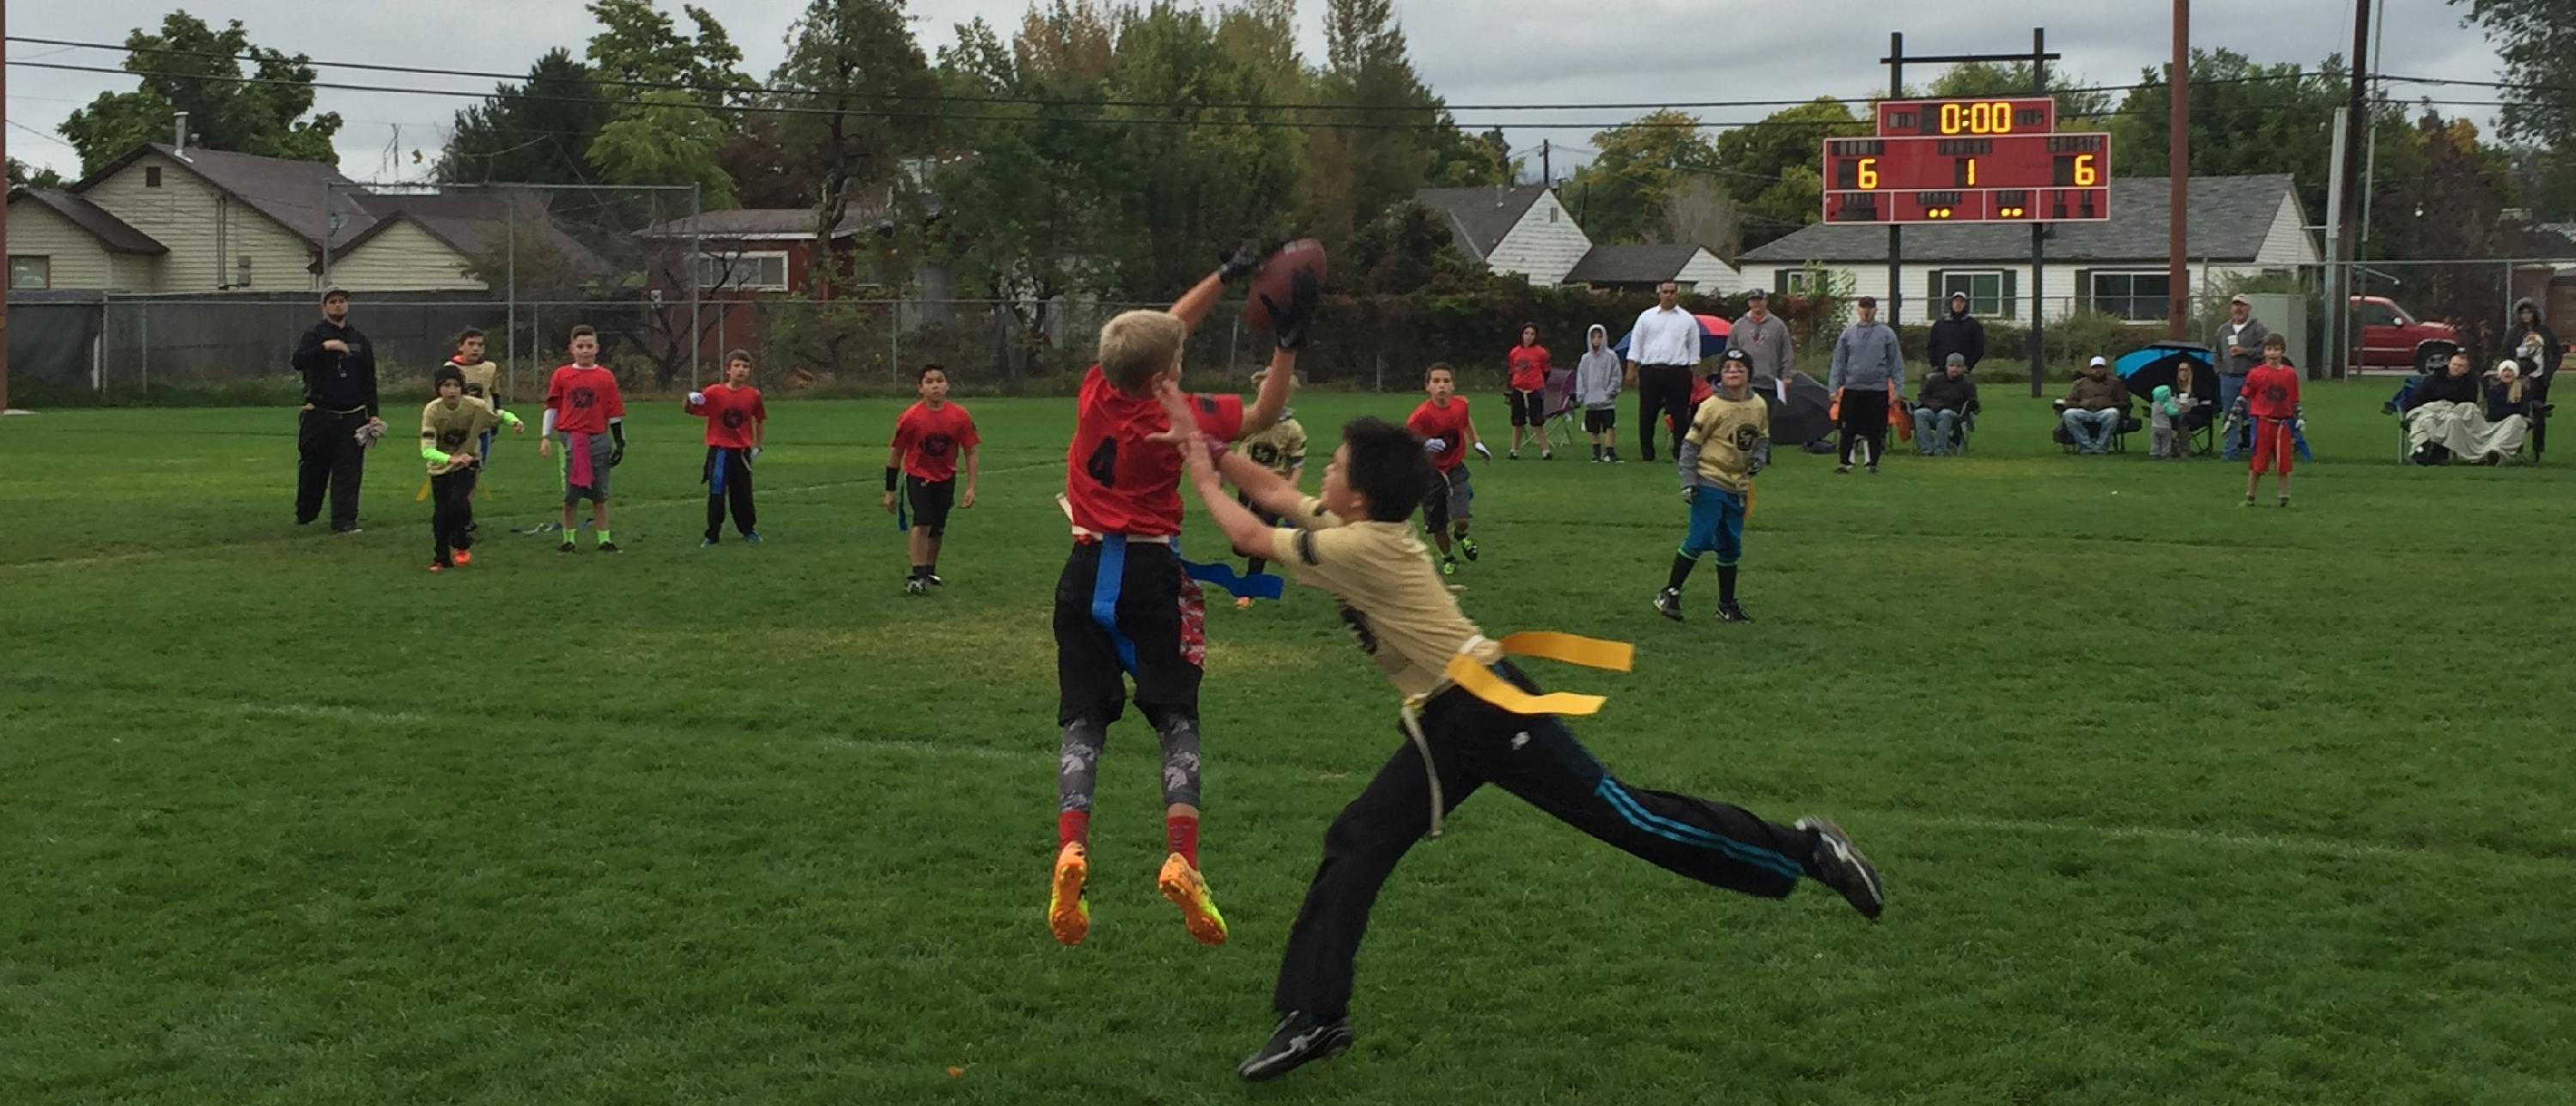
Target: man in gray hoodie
(1764, 338)
(1869, 368)
(1596, 387)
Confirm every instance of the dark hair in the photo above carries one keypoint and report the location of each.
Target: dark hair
(742, 355)
(1387, 466)
(1438, 367)
(445, 373)
(2271, 340)
(1526, 328)
(584, 331)
(462, 335)
(929, 368)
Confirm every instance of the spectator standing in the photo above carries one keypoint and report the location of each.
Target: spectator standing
(1663, 354)
(1764, 338)
(1869, 369)
(2237, 347)
(1529, 367)
(1596, 387)
(1957, 332)
(339, 370)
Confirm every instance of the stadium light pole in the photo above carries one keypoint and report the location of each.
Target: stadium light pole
(2178, 178)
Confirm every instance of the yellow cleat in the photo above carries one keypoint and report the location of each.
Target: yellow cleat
(1188, 890)
(1068, 914)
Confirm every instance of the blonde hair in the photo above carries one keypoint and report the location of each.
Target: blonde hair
(1138, 345)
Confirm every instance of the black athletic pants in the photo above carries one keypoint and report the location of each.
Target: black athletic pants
(1536, 758)
(451, 514)
(328, 456)
(1865, 419)
(1663, 391)
(736, 490)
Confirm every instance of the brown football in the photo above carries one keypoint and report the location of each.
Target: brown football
(1277, 275)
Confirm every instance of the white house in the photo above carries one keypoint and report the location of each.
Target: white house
(2239, 225)
(1642, 268)
(1527, 230)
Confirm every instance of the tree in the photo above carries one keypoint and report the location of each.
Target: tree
(666, 135)
(2245, 119)
(23, 175)
(2445, 198)
(1624, 189)
(665, 139)
(1372, 159)
(2539, 53)
(538, 131)
(1771, 168)
(1698, 210)
(1017, 210)
(192, 67)
(1462, 160)
(862, 93)
(2076, 100)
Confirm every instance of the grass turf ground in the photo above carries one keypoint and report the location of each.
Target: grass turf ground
(2177, 801)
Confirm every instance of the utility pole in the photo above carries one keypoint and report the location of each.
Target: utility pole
(2178, 179)
(1546, 172)
(2348, 228)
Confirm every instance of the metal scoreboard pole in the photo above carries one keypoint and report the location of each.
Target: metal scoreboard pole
(2038, 236)
(1895, 231)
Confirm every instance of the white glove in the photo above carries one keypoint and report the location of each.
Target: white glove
(755, 456)
(1690, 494)
(1435, 445)
(1483, 452)
(697, 399)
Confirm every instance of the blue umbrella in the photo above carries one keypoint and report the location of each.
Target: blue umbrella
(2160, 365)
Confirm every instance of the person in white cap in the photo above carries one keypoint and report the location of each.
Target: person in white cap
(2237, 347)
(2092, 410)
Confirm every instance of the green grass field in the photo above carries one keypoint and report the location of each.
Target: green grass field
(2177, 802)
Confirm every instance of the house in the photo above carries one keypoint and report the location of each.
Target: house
(1524, 230)
(2239, 225)
(1643, 268)
(168, 219)
(748, 255)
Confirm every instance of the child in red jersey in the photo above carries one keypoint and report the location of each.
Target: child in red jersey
(584, 410)
(736, 423)
(928, 439)
(2271, 401)
(1446, 432)
(1125, 606)
(1528, 396)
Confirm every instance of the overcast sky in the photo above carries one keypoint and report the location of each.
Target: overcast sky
(1470, 51)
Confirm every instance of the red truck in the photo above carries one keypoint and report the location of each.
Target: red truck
(2393, 339)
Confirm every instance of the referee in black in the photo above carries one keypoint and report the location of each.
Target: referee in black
(339, 370)
(1663, 352)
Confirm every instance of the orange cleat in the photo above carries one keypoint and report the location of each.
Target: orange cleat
(1068, 913)
(1188, 890)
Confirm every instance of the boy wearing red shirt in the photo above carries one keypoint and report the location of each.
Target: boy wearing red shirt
(1125, 606)
(1446, 433)
(2271, 399)
(928, 438)
(585, 412)
(1528, 399)
(736, 423)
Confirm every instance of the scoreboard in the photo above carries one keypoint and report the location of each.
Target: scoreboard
(1968, 161)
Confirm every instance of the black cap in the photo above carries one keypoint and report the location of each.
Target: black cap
(1737, 357)
(1757, 294)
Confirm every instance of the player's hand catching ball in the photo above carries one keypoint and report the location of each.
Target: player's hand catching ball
(1241, 262)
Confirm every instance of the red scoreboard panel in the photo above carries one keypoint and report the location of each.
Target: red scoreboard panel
(2003, 178)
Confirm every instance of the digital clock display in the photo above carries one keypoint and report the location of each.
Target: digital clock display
(1969, 118)
(2017, 177)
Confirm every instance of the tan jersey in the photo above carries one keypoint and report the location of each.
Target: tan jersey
(483, 382)
(1727, 431)
(1391, 597)
(1281, 449)
(453, 429)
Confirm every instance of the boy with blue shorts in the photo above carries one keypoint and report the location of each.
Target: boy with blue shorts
(1727, 445)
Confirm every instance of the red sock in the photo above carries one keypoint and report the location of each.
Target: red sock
(1184, 835)
(1073, 827)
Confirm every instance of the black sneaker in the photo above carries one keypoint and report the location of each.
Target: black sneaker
(1842, 470)
(1873, 468)
(609, 547)
(566, 547)
(916, 586)
(1730, 612)
(1467, 548)
(1668, 603)
(1300, 1039)
(1837, 864)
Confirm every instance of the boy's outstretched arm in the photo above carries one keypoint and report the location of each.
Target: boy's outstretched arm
(1235, 265)
(1275, 494)
(1248, 535)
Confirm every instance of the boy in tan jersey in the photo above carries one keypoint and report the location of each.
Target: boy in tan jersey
(1727, 445)
(450, 427)
(1473, 718)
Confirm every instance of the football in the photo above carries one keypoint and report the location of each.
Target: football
(1276, 278)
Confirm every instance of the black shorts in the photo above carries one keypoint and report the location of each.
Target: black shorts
(1598, 419)
(1127, 609)
(930, 502)
(1528, 408)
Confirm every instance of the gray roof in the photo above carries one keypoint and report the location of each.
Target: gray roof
(1632, 264)
(476, 223)
(771, 222)
(2230, 217)
(111, 232)
(290, 192)
(1480, 217)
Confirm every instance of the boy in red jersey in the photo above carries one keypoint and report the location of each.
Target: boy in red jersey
(736, 423)
(584, 409)
(1125, 605)
(2271, 401)
(1528, 396)
(928, 438)
(1446, 432)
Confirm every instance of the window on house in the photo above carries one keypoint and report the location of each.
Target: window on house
(743, 272)
(31, 272)
(151, 176)
(1985, 293)
(2137, 297)
(1798, 282)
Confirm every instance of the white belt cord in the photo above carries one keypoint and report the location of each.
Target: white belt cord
(1412, 720)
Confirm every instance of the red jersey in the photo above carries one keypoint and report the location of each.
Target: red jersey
(2272, 393)
(730, 413)
(931, 440)
(1449, 424)
(1529, 368)
(583, 400)
(1118, 482)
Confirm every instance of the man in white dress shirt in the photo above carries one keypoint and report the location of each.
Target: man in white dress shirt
(1663, 351)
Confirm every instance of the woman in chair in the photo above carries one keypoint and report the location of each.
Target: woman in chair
(2445, 418)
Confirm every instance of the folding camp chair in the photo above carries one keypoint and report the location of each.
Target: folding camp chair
(1564, 415)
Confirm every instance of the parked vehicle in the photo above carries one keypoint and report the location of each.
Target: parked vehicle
(2393, 339)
